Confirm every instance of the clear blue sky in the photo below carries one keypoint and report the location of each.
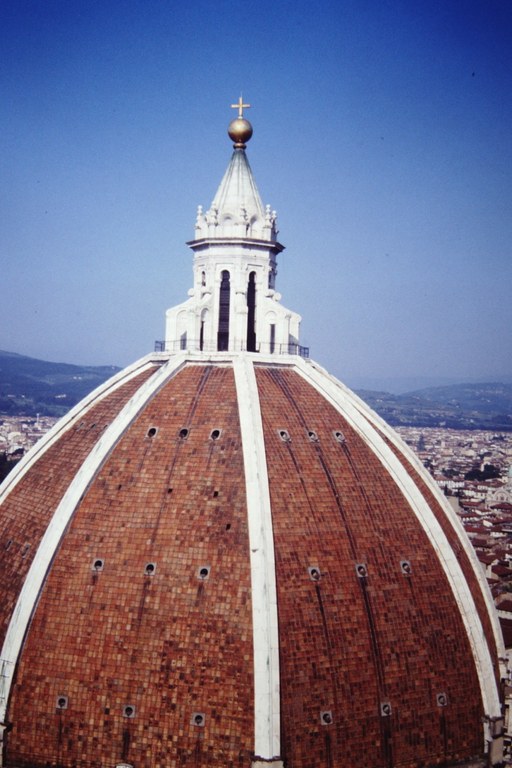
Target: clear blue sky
(382, 136)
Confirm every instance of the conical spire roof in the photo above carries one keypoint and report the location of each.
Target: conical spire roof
(237, 191)
(237, 210)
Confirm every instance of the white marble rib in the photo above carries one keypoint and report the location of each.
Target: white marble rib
(267, 739)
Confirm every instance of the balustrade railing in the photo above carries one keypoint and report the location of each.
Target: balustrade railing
(182, 345)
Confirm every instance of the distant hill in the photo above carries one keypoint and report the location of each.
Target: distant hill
(457, 406)
(29, 386)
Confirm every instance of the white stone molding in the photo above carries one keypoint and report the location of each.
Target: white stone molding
(267, 739)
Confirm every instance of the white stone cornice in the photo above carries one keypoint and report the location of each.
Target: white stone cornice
(243, 242)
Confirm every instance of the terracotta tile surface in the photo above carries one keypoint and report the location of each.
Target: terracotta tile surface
(171, 645)
(28, 509)
(462, 557)
(350, 645)
(144, 623)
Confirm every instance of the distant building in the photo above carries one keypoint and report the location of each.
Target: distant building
(501, 495)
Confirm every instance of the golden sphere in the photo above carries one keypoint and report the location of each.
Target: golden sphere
(240, 130)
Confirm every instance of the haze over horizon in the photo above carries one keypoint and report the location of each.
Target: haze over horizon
(381, 137)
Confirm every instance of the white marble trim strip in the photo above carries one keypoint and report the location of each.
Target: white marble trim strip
(29, 594)
(267, 739)
(342, 401)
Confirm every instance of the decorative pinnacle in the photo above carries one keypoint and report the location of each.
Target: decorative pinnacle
(240, 106)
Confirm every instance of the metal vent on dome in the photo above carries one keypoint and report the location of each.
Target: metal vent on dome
(405, 567)
(314, 573)
(385, 709)
(442, 699)
(98, 564)
(312, 435)
(198, 719)
(215, 434)
(150, 569)
(284, 435)
(339, 436)
(361, 570)
(183, 433)
(61, 702)
(129, 710)
(203, 572)
(326, 717)
(152, 431)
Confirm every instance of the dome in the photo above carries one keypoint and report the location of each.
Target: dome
(223, 557)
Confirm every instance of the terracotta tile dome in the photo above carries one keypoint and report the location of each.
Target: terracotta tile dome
(222, 557)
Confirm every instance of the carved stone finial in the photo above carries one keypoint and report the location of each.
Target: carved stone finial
(240, 129)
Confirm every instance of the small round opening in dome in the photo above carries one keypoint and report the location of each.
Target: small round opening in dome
(62, 702)
(198, 719)
(442, 700)
(314, 573)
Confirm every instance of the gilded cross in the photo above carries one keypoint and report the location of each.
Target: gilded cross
(240, 106)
